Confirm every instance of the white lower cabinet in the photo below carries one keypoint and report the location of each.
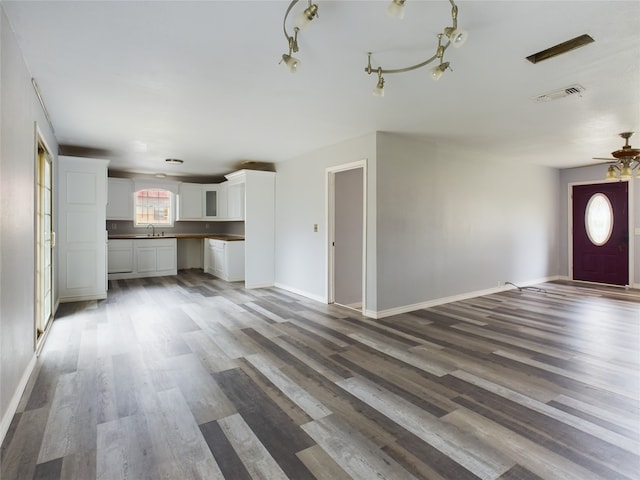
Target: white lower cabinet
(224, 259)
(120, 256)
(152, 257)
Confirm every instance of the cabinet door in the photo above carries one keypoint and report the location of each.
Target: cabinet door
(120, 199)
(82, 190)
(120, 256)
(219, 260)
(165, 259)
(190, 203)
(146, 259)
(235, 202)
(211, 201)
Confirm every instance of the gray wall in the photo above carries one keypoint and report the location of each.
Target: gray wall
(596, 174)
(301, 202)
(443, 220)
(19, 110)
(452, 221)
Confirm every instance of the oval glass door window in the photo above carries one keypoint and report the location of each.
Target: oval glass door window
(598, 219)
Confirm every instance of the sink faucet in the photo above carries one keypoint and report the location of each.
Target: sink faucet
(153, 229)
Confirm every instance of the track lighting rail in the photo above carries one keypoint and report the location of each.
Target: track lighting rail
(451, 35)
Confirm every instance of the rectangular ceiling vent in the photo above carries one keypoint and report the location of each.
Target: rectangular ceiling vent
(560, 93)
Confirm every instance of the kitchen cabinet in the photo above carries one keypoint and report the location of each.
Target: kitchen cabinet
(235, 201)
(190, 202)
(259, 225)
(142, 257)
(198, 201)
(224, 259)
(120, 256)
(120, 199)
(82, 238)
(215, 201)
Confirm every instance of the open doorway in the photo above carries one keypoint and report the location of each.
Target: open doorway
(45, 238)
(346, 194)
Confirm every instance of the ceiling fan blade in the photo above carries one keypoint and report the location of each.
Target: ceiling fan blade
(608, 160)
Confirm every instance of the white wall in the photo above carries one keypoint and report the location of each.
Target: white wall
(596, 174)
(442, 221)
(19, 112)
(301, 261)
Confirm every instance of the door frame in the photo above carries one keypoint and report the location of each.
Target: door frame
(40, 141)
(330, 184)
(630, 217)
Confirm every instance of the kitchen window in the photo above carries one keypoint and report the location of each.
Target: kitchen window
(154, 206)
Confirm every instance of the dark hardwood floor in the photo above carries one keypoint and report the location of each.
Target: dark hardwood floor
(190, 377)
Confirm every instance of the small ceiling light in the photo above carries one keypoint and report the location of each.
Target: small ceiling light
(379, 90)
(457, 37)
(396, 9)
(174, 161)
(438, 70)
(612, 173)
(292, 62)
(304, 18)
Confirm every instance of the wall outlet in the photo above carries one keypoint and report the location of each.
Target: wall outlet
(114, 226)
(500, 283)
(206, 225)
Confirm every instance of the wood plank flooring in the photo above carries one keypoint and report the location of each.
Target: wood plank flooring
(189, 377)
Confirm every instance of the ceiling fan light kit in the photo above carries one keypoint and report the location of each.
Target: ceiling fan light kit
(624, 161)
(450, 36)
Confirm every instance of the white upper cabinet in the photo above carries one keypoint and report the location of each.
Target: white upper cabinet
(235, 201)
(120, 199)
(190, 202)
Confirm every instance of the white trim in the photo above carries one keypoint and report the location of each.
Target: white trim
(259, 285)
(330, 230)
(302, 293)
(453, 298)
(15, 400)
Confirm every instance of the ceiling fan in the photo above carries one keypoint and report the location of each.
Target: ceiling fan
(625, 160)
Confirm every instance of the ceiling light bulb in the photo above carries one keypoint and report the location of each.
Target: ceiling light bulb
(458, 37)
(303, 19)
(612, 173)
(291, 62)
(396, 9)
(379, 90)
(438, 70)
(626, 172)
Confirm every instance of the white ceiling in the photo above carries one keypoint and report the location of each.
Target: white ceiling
(200, 81)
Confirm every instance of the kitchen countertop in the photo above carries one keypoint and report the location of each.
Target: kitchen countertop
(215, 236)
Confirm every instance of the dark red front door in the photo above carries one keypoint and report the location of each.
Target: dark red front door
(598, 257)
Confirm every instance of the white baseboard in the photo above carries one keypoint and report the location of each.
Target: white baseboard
(454, 298)
(15, 400)
(302, 293)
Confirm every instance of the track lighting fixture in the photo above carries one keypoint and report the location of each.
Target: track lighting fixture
(453, 35)
(302, 20)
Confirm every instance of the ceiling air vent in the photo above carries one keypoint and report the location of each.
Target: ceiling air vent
(561, 48)
(560, 93)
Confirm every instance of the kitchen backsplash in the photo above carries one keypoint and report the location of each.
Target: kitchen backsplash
(124, 227)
